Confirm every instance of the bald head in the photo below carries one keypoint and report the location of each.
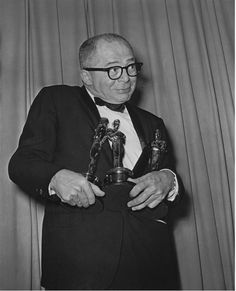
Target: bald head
(89, 47)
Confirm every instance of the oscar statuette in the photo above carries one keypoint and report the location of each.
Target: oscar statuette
(150, 160)
(98, 140)
(151, 157)
(116, 186)
(118, 174)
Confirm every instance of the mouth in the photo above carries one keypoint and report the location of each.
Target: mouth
(124, 90)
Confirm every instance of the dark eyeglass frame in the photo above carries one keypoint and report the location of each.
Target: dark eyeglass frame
(138, 68)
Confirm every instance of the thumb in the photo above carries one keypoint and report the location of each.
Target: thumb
(96, 190)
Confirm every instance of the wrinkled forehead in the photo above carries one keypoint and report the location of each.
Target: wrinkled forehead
(111, 51)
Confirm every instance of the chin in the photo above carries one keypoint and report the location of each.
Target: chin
(123, 97)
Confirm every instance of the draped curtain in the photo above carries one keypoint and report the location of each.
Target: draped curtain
(187, 47)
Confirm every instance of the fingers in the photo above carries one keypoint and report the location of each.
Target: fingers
(74, 189)
(138, 180)
(138, 188)
(82, 200)
(75, 199)
(142, 191)
(86, 193)
(145, 198)
(148, 192)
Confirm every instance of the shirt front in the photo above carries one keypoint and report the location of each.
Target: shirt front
(132, 146)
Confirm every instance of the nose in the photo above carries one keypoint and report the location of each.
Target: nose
(124, 76)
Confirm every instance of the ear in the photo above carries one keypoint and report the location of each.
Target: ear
(86, 77)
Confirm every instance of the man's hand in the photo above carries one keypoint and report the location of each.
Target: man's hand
(150, 189)
(73, 188)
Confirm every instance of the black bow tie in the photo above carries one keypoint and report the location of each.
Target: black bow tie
(114, 107)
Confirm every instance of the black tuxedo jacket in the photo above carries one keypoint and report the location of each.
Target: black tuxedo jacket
(81, 247)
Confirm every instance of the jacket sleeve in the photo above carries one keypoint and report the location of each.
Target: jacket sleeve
(31, 167)
(168, 160)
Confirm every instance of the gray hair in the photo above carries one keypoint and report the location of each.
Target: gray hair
(88, 47)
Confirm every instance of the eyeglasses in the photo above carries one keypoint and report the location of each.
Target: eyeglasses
(115, 72)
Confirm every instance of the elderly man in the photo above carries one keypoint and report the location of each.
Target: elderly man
(90, 240)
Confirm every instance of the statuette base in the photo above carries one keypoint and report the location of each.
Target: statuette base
(117, 175)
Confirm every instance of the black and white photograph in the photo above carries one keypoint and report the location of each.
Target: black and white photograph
(117, 145)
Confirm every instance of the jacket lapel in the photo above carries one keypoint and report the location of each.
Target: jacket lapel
(90, 108)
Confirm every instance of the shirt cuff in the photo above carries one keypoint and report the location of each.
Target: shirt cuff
(50, 190)
(175, 189)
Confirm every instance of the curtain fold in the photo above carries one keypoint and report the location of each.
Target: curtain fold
(187, 47)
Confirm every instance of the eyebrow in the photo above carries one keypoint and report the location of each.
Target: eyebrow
(115, 62)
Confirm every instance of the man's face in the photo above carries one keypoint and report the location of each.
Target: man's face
(110, 54)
